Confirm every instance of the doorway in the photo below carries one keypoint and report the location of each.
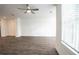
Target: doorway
(8, 27)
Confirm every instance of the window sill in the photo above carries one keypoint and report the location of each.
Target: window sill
(69, 48)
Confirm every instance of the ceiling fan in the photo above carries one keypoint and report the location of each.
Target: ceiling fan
(28, 9)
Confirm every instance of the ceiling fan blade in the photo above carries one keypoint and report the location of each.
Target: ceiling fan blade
(25, 12)
(35, 9)
(32, 12)
(27, 5)
(21, 8)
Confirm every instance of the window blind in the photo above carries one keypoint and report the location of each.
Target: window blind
(70, 25)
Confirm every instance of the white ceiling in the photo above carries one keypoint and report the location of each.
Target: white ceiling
(11, 10)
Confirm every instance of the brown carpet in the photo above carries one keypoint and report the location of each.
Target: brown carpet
(27, 46)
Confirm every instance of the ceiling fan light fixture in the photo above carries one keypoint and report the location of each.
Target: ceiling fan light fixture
(28, 7)
(28, 11)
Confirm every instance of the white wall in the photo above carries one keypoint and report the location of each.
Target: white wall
(62, 49)
(18, 27)
(42, 23)
(39, 25)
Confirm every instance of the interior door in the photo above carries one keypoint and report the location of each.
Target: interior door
(12, 27)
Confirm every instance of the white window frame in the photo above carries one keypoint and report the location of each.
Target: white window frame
(73, 23)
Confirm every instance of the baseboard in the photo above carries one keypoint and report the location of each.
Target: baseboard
(7, 36)
(32, 36)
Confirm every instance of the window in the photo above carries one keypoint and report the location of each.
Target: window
(70, 25)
